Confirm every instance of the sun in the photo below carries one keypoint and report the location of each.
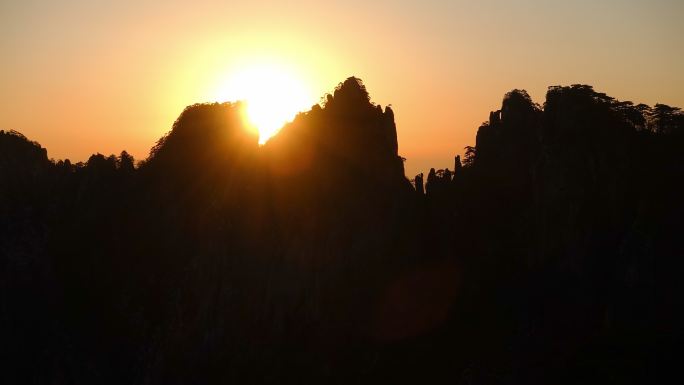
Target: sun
(273, 95)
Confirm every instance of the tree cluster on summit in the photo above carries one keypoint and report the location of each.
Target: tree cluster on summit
(550, 253)
(516, 135)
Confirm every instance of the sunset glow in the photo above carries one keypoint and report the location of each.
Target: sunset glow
(273, 96)
(82, 77)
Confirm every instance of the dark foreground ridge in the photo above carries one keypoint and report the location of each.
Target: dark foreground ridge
(551, 253)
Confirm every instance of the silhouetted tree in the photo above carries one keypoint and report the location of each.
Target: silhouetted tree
(667, 120)
(419, 184)
(126, 162)
(469, 158)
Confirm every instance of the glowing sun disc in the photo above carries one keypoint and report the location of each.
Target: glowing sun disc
(272, 94)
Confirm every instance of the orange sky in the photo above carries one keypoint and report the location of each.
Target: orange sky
(89, 76)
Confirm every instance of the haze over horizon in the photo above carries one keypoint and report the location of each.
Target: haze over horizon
(83, 77)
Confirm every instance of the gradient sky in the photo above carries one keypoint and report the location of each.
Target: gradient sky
(100, 76)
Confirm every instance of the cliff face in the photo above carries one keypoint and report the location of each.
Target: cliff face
(24, 167)
(574, 160)
(349, 137)
(553, 247)
(207, 141)
(571, 194)
(511, 136)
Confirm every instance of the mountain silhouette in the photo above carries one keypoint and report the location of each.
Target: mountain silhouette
(550, 253)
